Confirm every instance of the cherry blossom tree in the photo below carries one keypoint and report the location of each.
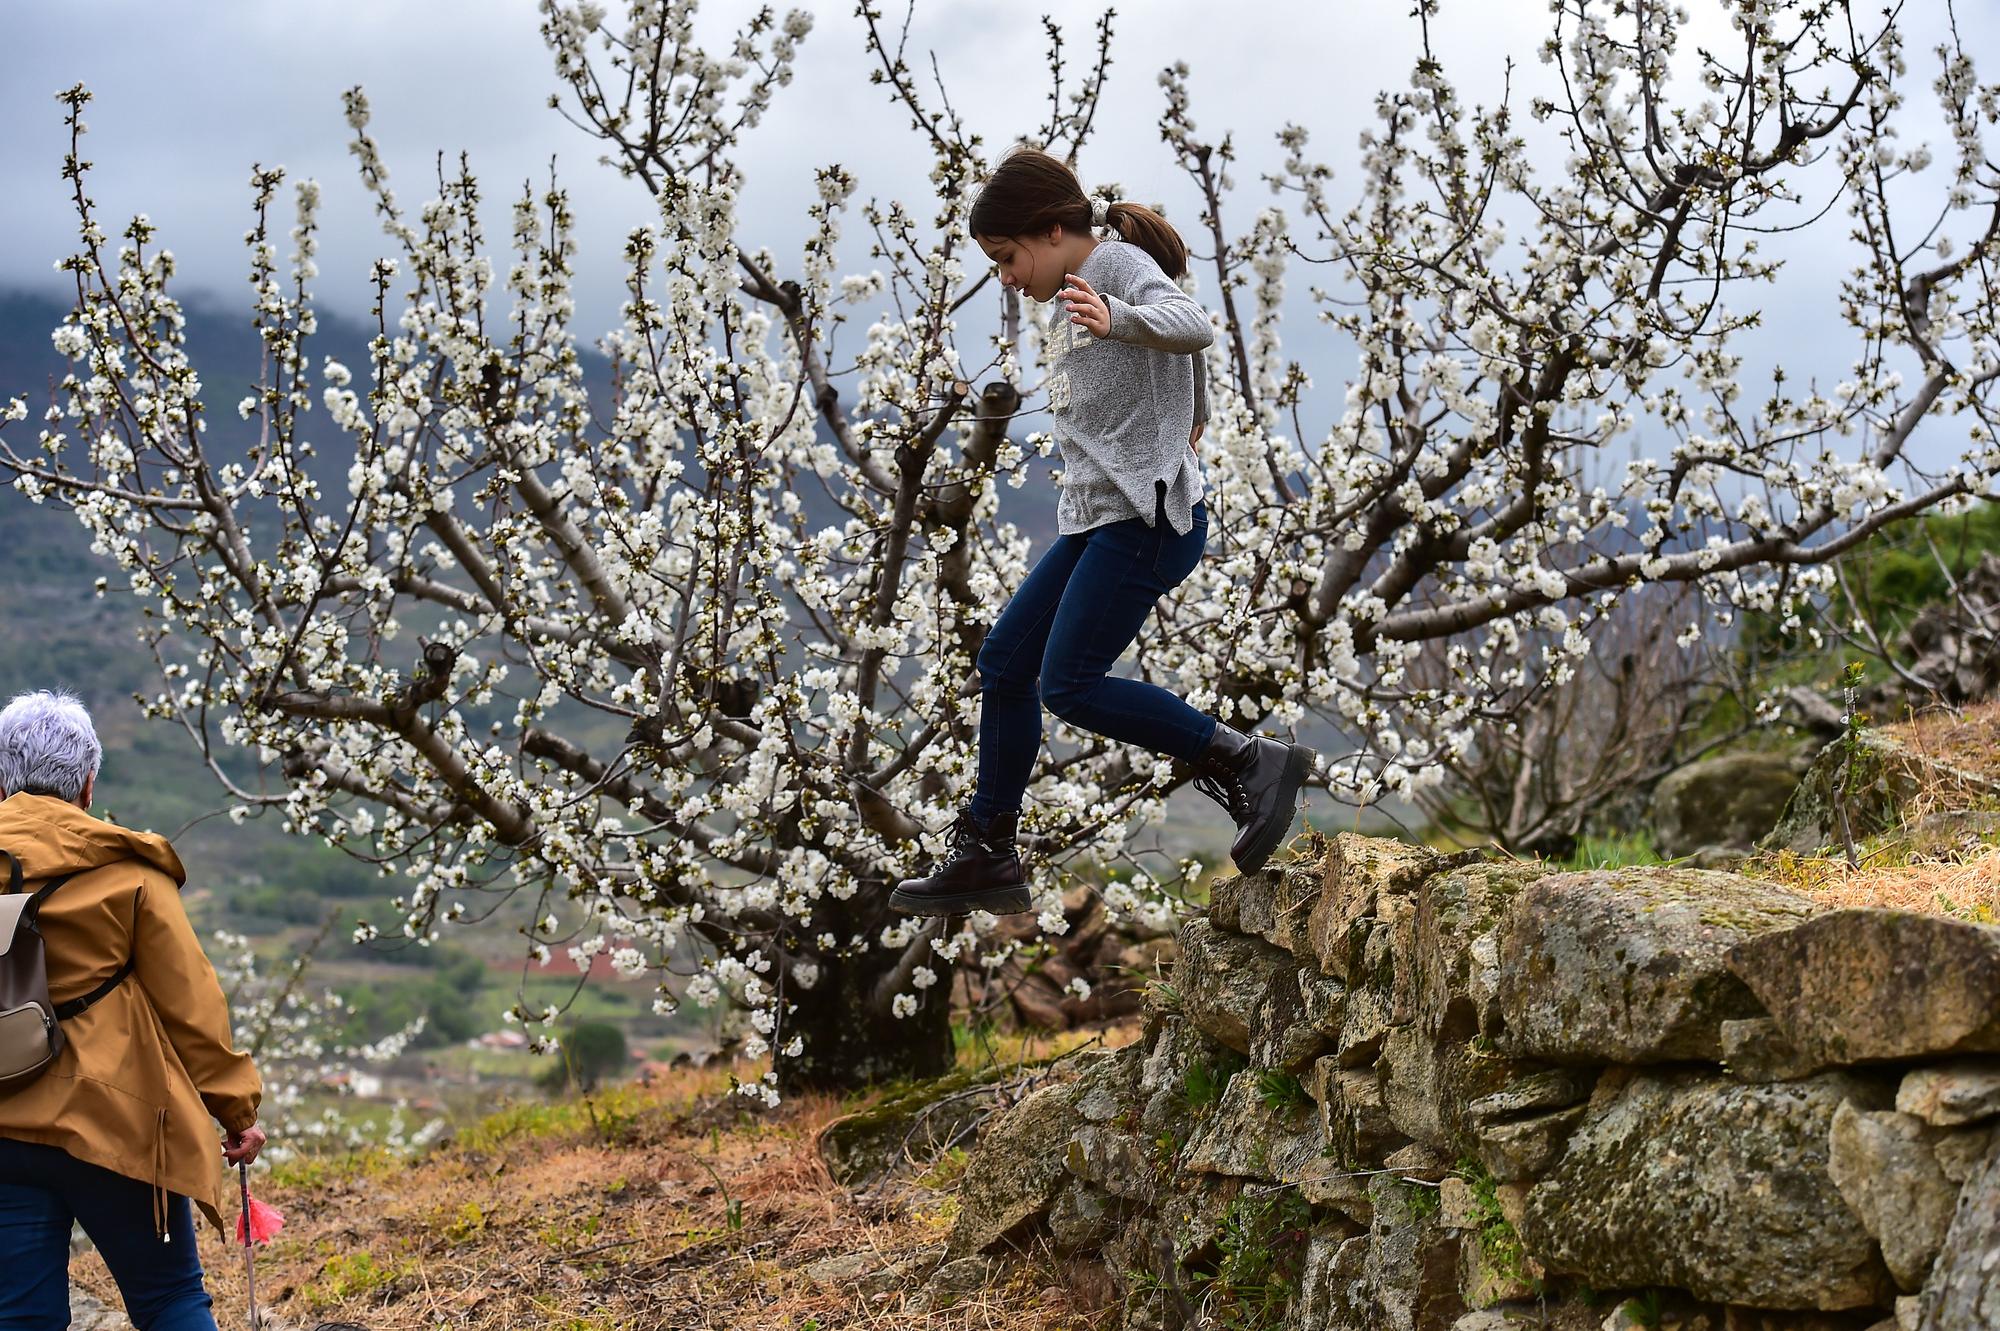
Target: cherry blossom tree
(650, 710)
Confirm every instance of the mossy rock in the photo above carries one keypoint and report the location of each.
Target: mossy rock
(1884, 779)
(1629, 965)
(1727, 801)
(915, 1119)
(1687, 1180)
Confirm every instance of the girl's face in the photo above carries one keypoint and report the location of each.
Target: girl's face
(1031, 265)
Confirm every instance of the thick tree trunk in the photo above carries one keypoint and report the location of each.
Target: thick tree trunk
(851, 1034)
(852, 1041)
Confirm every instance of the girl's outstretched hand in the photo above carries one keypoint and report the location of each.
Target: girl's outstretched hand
(1085, 306)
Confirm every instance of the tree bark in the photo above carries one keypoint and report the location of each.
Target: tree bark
(853, 1040)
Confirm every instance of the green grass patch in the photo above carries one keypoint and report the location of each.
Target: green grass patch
(607, 1113)
(1261, 1247)
(1613, 851)
(1282, 1091)
(317, 1171)
(352, 1275)
(1203, 1083)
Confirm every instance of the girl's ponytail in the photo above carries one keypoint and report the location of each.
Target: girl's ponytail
(1030, 191)
(1151, 233)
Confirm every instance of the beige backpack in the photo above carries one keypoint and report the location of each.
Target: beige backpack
(31, 1033)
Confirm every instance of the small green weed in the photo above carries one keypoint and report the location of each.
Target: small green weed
(1613, 852)
(1202, 1085)
(1262, 1247)
(1282, 1091)
(946, 1170)
(1499, 1244)
(1648, 1309)
(351, 1275)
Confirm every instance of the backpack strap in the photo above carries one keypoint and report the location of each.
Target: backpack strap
(34, 907)
(76, 1006)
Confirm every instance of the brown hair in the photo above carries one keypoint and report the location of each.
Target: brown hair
(1030, 191)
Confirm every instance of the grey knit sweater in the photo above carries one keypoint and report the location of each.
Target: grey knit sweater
(1123, 406)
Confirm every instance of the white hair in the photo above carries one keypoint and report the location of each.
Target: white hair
(47, 745)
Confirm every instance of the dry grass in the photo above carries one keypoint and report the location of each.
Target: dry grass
(1941, 858)
(670, 1206)
(1968, 888)
(1968, 740)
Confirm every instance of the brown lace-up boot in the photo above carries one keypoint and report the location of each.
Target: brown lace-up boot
(1257, 780)
(981, 871)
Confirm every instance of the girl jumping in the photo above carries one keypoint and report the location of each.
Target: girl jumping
(1127, 393)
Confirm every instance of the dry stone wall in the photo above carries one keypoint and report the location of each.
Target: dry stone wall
(1391, 1091)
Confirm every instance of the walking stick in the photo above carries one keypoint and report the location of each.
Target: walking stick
(257, 1224)
(249, 1248)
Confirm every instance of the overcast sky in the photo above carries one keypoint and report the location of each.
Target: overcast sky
(191, 93)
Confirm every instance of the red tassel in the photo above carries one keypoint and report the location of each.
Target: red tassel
(265, 1221)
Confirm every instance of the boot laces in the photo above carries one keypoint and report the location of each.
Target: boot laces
(965, 840)
(1226, 789)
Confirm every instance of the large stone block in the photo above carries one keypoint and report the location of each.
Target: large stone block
(1274, 904)
(1519, 1130)
(1962, 1152)
(1456, 946)
(1755, 1049)
(1243, 1137)
(1354, 1122)
(1333, 1294)
(1411, 1273)
(1014, 1174)
(1627, 965)
(1080, 1218)
(1690, 1180)
(1873, 782)
(1115, 1161)
(1323, 1002)
(1282, 1033)
(1886, 1169)
(1232, 897)
(1864, 985)
(1964, 1090)
(863, 1147)
(1521, 1150)
(1360, 873)
(1331, 1183)
(1381, 989)
(1224, 978)
(1963, 1292)
(1727, 801)
(1429, 1084)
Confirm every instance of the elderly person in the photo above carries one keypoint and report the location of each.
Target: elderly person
(114, 1134)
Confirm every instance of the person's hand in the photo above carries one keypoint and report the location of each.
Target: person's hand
(240, 1148)
(1195, 436)
(1085, 306)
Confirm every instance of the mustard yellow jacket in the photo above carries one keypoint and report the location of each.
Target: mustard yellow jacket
(148, 1066)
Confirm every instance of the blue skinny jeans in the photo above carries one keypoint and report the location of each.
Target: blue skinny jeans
(1078, 609)
(42, 1191)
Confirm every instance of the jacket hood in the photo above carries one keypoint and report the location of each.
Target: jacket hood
(52, 836)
